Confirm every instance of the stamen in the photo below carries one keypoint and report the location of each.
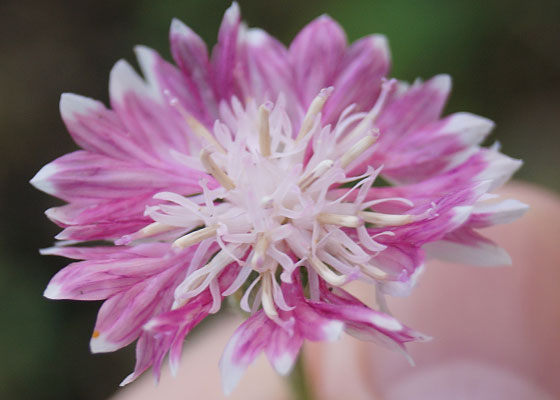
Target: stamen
(267, 298)
(213, 169)
(356, 150)
(372, 115)
(373, 271)
(349, 221)
(195, 237)
(310, 178)
(194, 283)
(194, 124)
(380, 219)
(264, 130)
(314, 108)
(260, 248)
(154, 228)
(325, 272)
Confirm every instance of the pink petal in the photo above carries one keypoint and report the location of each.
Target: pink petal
(245, 345)
(433, 149)
(315, 55)
(122, 316)
(191, 55)
(84, 175)
(465, 246)
(101, 278)
(358, 81)
(504, 212)
(224, 55)
(420, 105)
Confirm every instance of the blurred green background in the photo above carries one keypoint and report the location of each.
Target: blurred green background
(503, 55)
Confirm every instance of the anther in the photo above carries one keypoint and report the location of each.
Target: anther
(213, 169)
(372, 115)
(349, 221)
(373, 271)
(264, 130)
(259, 255)
(380, 219)
(356, 150)
(267, 297)
(308, 179)
(325, 272)
(195, 237)
(314, 109)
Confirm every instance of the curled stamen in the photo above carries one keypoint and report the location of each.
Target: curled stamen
(267, 298)
(314, 108)
(308, 179)
(195, 237)
(349, 221)
(371, 116)
(264, 130)
(198, 128)
(213, 169)
(325, 272)
(357, 149)
(380, 219)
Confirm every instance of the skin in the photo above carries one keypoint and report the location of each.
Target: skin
(496, 333)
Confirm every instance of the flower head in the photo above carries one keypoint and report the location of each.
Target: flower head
(274, 175)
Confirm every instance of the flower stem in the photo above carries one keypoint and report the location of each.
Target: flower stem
(299, 382)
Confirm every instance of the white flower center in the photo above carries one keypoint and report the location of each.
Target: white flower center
(273, 208)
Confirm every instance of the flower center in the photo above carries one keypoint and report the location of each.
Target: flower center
(278, 201)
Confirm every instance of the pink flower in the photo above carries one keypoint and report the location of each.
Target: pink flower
(255, 172)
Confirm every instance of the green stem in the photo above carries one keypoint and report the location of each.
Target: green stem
(299, 381)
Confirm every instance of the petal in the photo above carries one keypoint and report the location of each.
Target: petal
(465, 246)
(420, 105)
(504, 212)
(122, 316)
(191, 55)
(99, 130)
(84, 175)
(283, 349)
(245, 345)
(315, 55)
(101, 278)
(266, 70)
(224, 55)
(150, 351)
(145, 110)
(360, 318)
(358, 81)
(433, 149)
(101, 219)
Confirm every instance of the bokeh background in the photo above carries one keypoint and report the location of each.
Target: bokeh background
(503, 55)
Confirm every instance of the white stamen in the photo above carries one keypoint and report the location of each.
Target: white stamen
(194, 124)
(373, 271)
(325, 272)
(267, 298)
(195, 237)
(371, 116)
(260, 248)
(349, 221)
(264, 130)
(356, 150)
(154, 228)
(314, 109)
(213, 169)
(380, 219)
(308, 179)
